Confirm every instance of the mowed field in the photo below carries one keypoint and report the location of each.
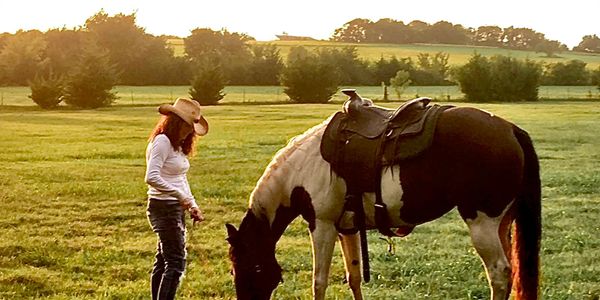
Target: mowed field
(458, 54)
(73, 222)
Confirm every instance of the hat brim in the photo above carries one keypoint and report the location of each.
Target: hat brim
(200, 127)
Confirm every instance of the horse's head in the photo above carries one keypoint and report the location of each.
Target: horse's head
(252, 253)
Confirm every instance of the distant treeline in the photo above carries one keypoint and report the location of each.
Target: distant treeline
(396, 32)
(144, 59)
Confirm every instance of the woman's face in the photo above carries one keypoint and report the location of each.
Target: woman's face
(185, 130)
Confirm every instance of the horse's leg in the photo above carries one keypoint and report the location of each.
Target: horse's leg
(323, 240)
(351, 251)
(490, 237)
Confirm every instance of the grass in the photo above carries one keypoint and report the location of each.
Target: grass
(459, 54)
(150, 95)
(74, 225)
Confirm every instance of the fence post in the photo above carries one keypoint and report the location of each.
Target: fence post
(131, 97)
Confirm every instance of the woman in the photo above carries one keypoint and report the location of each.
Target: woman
(171, 143)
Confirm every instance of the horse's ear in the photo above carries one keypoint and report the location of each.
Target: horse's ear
(231, 232)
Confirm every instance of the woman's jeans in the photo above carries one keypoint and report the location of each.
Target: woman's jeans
(167, 220)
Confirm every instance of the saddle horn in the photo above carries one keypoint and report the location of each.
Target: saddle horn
(354, 102)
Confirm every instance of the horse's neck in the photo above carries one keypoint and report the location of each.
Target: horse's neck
(299, 164)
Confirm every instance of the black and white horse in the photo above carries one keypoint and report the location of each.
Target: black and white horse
(479, 163)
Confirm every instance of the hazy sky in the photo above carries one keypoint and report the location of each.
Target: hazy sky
(566, 21)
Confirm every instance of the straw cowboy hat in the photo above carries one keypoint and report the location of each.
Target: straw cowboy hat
(189, 111)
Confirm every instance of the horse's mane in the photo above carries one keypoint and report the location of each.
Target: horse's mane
(280, 158)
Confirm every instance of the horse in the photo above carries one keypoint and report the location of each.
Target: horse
(482, 164)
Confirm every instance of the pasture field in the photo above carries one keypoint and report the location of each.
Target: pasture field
(73, 222)
(459, 54)
(145, 95)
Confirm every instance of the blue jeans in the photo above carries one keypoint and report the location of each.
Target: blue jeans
(167, 220)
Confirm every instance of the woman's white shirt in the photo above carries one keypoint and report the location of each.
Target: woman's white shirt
(166, 171)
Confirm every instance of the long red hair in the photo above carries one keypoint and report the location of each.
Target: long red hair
(170, 125)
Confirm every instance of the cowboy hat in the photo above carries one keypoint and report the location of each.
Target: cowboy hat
(189, 111)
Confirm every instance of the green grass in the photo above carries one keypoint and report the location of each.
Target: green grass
(150, 95)
(459, 55)
(73, 200)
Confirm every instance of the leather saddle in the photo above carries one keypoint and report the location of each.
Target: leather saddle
(364, 138)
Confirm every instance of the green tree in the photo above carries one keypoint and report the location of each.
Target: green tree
(230, 50)
(595, 77)
(488, 36)
(475, 79)
(22, 57)
(63, 46)
(140, 57)
(90, 82)
(208, 83)
(573, 72)
(400, 82)
(550, 48)
(47, 92)
(589, 43)
(266, 65)
(354, 31)
(514, 80)
(383, 69)
(431, 69)
(308, 77)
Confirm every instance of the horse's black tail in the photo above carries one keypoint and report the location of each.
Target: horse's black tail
(528, 224)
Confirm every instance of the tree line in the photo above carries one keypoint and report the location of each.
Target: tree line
(397, 32)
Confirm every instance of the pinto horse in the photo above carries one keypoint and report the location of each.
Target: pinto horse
(479, 163)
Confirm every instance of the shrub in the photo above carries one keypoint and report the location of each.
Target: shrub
(308, 78)
(400, 82)
(208, 84)
(500, 79)
(90, 83)
(475, 79)
(46, 92)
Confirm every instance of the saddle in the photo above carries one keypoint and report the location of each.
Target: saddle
(363, 138)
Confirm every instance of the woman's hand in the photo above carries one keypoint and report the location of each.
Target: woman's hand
(196, 214)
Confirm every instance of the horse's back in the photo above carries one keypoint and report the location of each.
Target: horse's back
(475, 163)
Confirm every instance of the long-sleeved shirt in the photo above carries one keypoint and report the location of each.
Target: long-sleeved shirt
(166, 170)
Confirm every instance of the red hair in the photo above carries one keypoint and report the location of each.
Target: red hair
(170, 125)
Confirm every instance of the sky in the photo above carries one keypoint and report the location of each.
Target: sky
(565, 21)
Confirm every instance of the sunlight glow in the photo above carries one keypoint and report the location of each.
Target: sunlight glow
(567, 22)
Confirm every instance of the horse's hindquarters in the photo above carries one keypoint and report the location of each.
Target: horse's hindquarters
(475, 163)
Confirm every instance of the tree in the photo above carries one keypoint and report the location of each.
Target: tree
(62, 46)
(550, 47)
(589, 43)
(266, 65)
(351, 69)
(514, 80)
(444, 32)
(141, 58)
(475, 78)
(570, 73)
(383, 70)
(488, 36)
(308, 77)
(390, 31)
(355, 31)
(208, 84)
(400, 82)
(521, 38)
(22, 57)
(90, 83)
(47, 92)
(431, 69)
(230, 50)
